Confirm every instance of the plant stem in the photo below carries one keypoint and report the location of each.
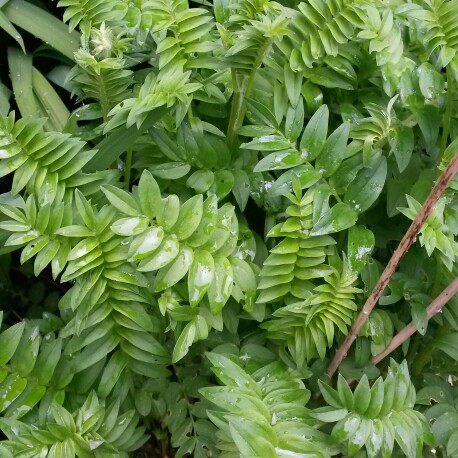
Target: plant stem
(242, 91)
(103, 98)
(164, 448)
(409, 238)
(128, 169)
(433, 308)
(236, 113)
(448, 110)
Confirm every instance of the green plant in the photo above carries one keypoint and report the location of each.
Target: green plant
(207, 195)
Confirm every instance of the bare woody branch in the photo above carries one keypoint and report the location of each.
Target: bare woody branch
(433, 308)
(409, 238)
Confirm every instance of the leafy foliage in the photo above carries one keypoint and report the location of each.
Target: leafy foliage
(263, 414)
(375, 416)
(209, 192)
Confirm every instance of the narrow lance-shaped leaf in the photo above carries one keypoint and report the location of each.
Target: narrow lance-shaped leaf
(21, 69)
(367, 186)
(9, 28)
(333, 151)
(175, 271)
(221, 286)
(200, 276)
(149, 195)
(43, 25)
(361, 241)
(54, 108)
(184, 341)
(314, 136)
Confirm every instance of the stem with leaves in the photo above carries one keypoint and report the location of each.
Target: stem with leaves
(242, 91)
(448, 110)
(409, 238)
(434, 308)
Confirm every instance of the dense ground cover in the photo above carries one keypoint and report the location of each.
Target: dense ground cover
(197, 201)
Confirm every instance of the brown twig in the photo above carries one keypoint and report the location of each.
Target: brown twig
(433, 308)
(408, 239)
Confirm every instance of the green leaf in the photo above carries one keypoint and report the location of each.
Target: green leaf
(431, 81)
(130, 226)
(329, 414)
(75, 231)
(448, 344)
(171, 170)
(55, 110)
(21, 71)
(401, 140)
(361, 242)
(149, 195)
(235, 400)
(221, 287)
(268, 143)
(345, 393)
(346, 427)
(47, 360)
(279, 160)
(294, 121)
(241, 188)
(121, 200)
(359, 437)
(223, 183)
(5, 94)
(25, 402)
(444, 426)
(314, 136)
(429, 122)
(9, 28)
(244, 276)
(377, 398)
(126, 275)
(146, 244)
(230, 373)
(327, 77)
(338, 218)
(94, 352)
(253, 438)
(419, 315)
(10, 389)
(330, 396)
(43, 25)
(307, 175)
(362, 395)
(63, 418)
(368, 185)
(189, 217)
(169, 211)
(9, 340)
(175, 271)
(201, 180)
(84, 209)
(26, 353)
(375, 440)
(166, 252)
(185, 340)
(221, 10)
(200, 276)
(333, 151)
(205, 230)
(452, 444)
(112, 372)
